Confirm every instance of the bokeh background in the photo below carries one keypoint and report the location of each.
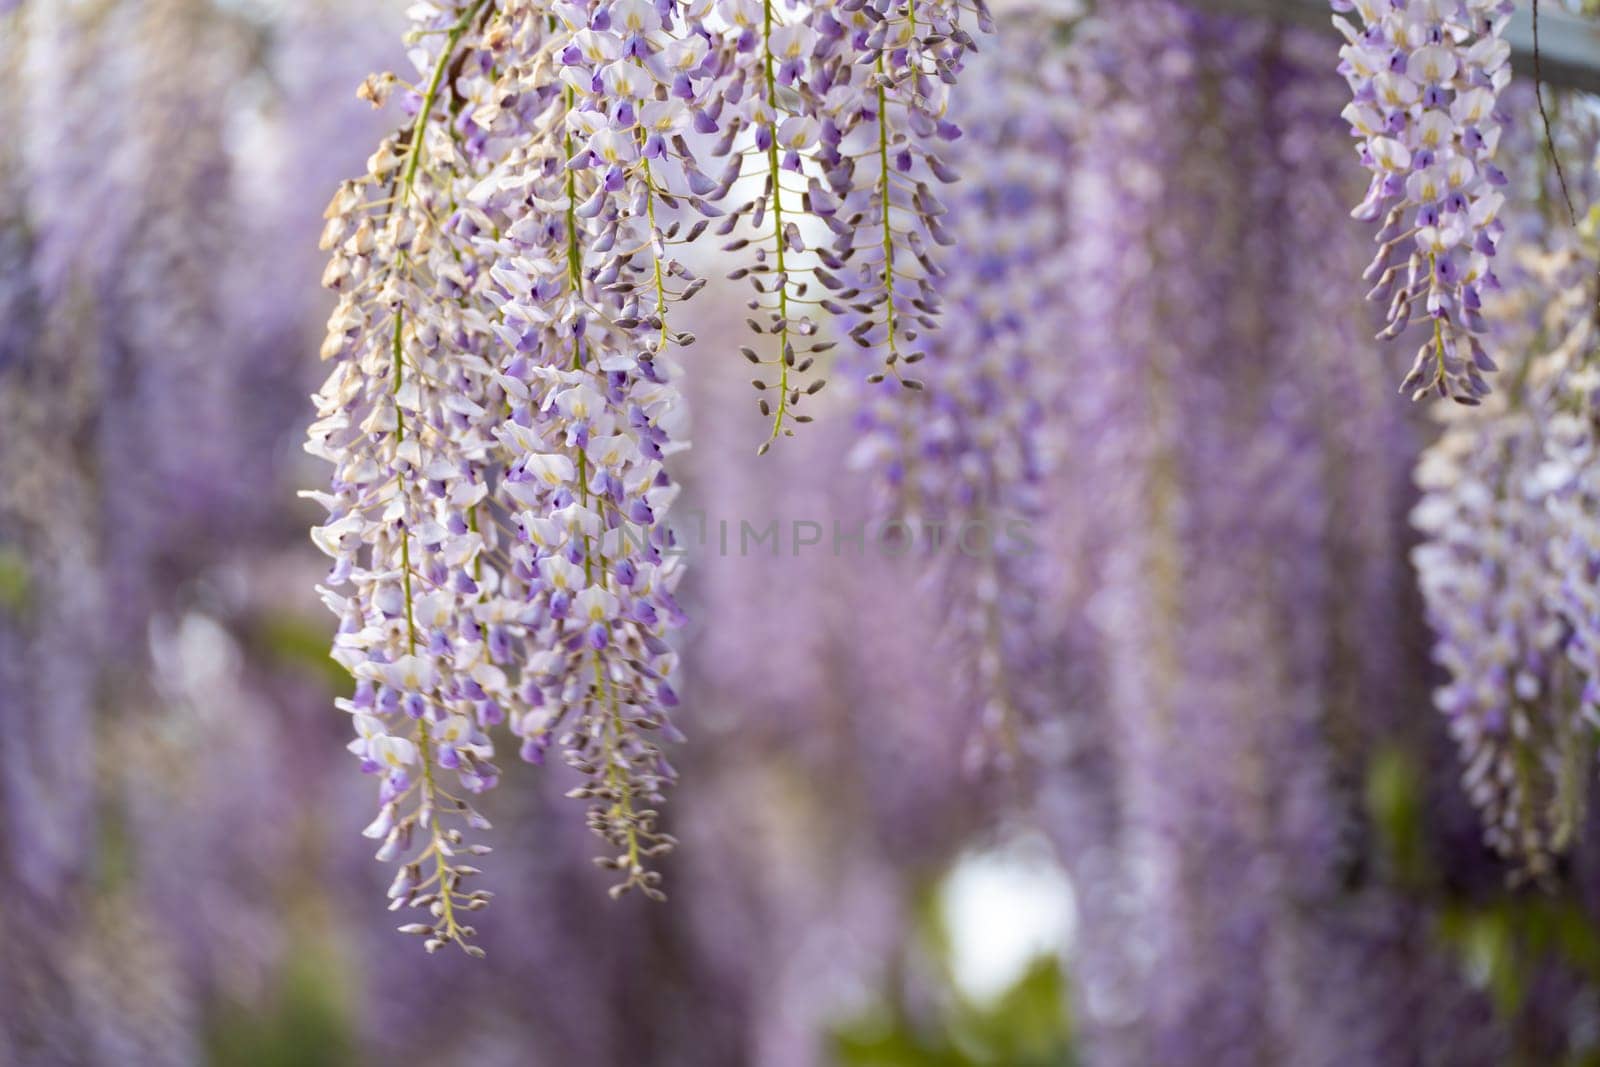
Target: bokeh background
(1236, 835)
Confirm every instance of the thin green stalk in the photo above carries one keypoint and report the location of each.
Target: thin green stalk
(408, 185)
(777, 226)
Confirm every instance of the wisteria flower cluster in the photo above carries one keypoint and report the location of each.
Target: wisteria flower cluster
(846, 109)
(963, 463)
(1508, 571)
(1572, 478)
(1485, 576)
(503, 397)
(1426, 77)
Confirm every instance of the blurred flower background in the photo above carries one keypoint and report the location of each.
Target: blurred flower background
(1161, 780)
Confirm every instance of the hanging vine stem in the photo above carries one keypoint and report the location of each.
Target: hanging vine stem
(452, 931)
(1549, 130)
(774, 175)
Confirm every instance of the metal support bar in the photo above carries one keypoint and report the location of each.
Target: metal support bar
(1569, 45)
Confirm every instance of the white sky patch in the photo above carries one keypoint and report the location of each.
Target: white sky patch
(1004, 908)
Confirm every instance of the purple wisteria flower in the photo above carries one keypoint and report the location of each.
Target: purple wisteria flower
(1426, 76)
(504, 397)
(963, 461)
(403, 421)
(1507, 569)
(1235, 473)
(1486, 576)
(839, 111)
(1569, 477)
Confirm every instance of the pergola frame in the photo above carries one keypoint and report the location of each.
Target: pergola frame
(1569, 45)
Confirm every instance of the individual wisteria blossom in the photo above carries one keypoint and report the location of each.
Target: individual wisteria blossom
(1426, 77)
(962, 462)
